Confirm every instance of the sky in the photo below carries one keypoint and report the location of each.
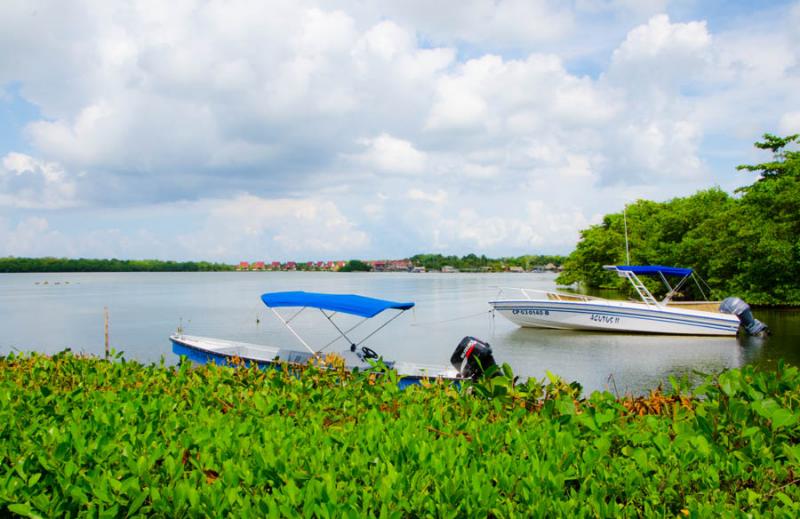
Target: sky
(230, 130)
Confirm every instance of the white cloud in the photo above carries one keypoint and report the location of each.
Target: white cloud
(373, 210)
(493, 96)
(665, 150)
(499, 23)
(252, 226)
(386, 41)
(661, 53)
(534, 226)
(314, 108)
(30, 183)
(26, 238)
(391, 155)
(790, 123)
(636, 6)
(457, 107)
(437, 198)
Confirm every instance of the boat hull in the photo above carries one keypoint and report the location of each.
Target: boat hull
(612, 316)
(205, 350)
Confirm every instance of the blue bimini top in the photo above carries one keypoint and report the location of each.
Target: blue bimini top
(655, 269)
(344, 303)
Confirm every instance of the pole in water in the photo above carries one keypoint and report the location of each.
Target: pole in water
(625, 222)
(105, 312)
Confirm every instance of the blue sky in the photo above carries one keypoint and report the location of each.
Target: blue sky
(227, 130)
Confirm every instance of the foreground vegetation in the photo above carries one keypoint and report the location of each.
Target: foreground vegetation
(87, 436)
(748, 245)
(13, 264)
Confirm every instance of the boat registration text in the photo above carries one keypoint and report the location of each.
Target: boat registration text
(530, 311)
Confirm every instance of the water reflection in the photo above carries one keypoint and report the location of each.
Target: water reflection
(631, 362)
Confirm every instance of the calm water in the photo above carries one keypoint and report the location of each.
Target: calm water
(146, 307)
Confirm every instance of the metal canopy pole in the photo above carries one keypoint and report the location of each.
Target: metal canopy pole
(671, 290)
(401, 312)
(293, 332)
(699, 287)
(295, 315)
(625, 222)
(337, 328)
(359, 323)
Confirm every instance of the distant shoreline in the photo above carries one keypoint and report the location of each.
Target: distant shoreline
(420, 263)
(64, 265)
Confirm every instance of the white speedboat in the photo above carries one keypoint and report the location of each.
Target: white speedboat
(550, 309)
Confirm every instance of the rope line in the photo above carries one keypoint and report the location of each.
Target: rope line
(430, 323)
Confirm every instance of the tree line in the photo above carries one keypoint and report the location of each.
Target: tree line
(747, 244)
(12, 264)
(473, 262)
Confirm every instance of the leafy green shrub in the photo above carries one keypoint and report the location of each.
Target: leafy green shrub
(83, 436)
(748, 246)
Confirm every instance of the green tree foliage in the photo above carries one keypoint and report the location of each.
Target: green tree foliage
(355, 266)
(747, 246)
(785, 162)
(12, 264)
(474, 263)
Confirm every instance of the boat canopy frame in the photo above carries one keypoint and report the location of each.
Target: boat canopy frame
(630, 271)
(361, 306)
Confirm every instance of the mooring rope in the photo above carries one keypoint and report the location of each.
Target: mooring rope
(431, 323)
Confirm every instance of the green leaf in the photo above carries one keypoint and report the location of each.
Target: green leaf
(24, 509)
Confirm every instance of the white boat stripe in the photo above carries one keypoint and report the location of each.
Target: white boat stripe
(666, 319)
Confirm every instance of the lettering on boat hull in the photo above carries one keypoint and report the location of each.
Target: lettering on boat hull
(608, 319)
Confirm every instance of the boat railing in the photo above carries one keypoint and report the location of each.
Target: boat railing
(534, 294)
(640, 288)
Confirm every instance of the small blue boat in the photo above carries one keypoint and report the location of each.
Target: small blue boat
(204, 350)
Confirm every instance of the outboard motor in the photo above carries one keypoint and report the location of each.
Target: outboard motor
(472, 358)
(737, 307)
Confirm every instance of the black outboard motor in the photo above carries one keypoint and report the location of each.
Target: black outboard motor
(737, 307)
(472, 358)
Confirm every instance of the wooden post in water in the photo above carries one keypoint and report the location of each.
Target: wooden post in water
(105, 311)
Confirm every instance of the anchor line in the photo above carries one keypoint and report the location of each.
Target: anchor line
(430, 323)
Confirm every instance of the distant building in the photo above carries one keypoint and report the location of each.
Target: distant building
(402, 265)
(258, 265)
(516, 269)
(291, 265)
(243, 265)
(276, 265)
(448, 269)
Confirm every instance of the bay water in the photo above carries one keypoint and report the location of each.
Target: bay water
(50, 312)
